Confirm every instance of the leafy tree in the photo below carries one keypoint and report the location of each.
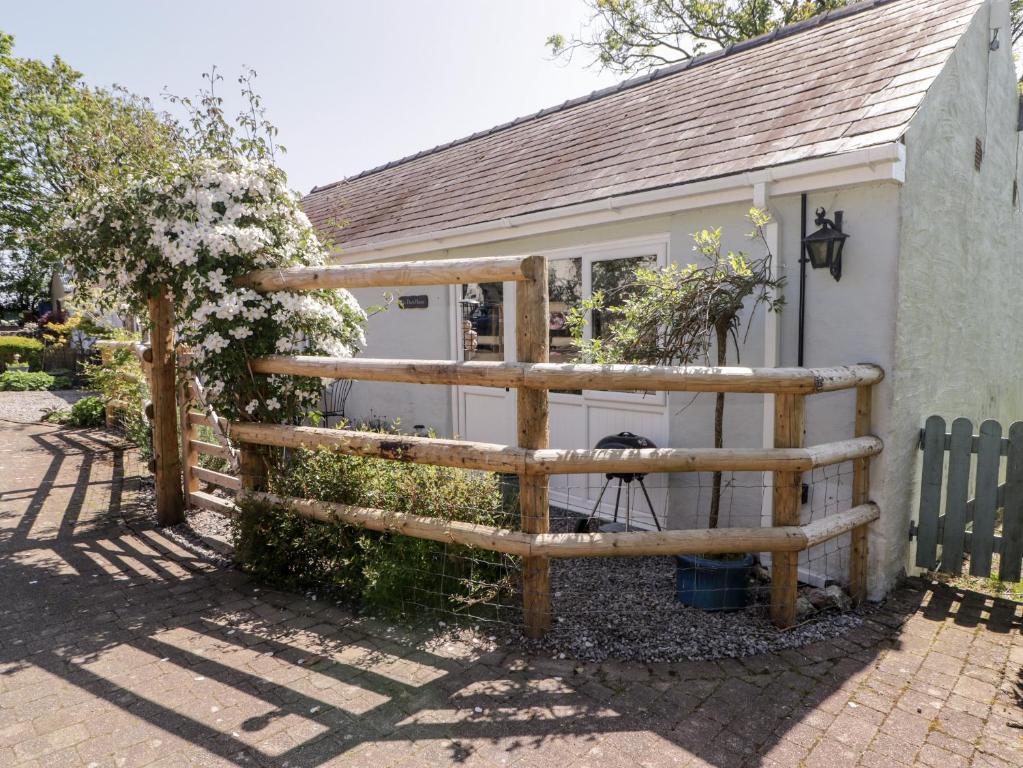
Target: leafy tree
(60, 137)
(24, 280)
(630, 36)
(634, 35)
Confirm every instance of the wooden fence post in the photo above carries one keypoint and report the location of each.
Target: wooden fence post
(189, 455)
(533, 414)
(860, 495)
(788, 433)
(251, 467)
(170, 505)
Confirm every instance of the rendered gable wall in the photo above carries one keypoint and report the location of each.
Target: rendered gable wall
(959, 337)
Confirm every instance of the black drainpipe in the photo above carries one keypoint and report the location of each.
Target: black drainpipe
(802, 279)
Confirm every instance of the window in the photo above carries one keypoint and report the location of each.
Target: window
(615, 278)
(565, 289)
(481, 314)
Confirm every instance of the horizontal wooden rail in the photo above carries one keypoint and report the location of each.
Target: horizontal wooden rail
(142, 351)
(230, 482)
(417, 450)
(492, 457)
(832, 526)
(213, 503)
(210, 449)
(201, 419)
(393, 275)
(630, 544)
(607, 378)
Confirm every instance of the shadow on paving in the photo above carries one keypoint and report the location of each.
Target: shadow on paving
(108, 621)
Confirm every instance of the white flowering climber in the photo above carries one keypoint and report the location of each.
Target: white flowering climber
(209, 222)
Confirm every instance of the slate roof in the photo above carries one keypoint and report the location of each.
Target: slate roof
(847, 80)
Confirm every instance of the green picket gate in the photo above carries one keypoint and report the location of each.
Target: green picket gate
(953, 524)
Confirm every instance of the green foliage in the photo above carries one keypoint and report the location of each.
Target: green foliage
(121, 381)
(85, 413)
(58, 136)
(23, 381)
(24, 279)
(386, 572)
(27, 349)
(634, 35)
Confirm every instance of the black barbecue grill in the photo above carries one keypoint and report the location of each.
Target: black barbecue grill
(626, 441)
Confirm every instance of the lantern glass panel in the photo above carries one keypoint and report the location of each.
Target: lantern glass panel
(819, 252)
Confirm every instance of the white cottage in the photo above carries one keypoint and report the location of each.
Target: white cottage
(903, 114)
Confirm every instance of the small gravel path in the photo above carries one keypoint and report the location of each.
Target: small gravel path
(29, 407)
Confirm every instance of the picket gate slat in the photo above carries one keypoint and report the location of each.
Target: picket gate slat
(986, 494)
(956, 494)
(930, 492)
(1012, 521)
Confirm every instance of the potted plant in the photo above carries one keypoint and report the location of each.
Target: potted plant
(684, 315)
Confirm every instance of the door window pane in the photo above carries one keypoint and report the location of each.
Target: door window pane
(482, 321)
(616, 278)
(565, 289)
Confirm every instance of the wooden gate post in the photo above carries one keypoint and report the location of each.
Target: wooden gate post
(788, 433)
(170, 505)
(860, 495)
(532, 315)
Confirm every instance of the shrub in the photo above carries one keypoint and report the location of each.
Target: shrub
(23, 381)
(121, 381)
(87, 412)
(388, 572)
(28, 349)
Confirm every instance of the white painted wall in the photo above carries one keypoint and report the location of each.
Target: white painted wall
(959, 343)
(423, 334)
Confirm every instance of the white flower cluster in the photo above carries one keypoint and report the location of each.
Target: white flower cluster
(194, 233)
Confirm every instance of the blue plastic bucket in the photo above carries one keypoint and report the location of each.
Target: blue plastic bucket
(713, 585)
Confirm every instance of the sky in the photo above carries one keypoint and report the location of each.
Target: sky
(350, 85)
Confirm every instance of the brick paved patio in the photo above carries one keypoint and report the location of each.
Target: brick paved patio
(119, 648)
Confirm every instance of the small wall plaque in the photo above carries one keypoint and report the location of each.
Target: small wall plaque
(414, 302)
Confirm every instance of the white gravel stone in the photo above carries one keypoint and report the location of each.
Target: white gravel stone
(29, 407)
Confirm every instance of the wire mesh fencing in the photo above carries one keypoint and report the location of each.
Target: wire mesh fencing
(648, 597)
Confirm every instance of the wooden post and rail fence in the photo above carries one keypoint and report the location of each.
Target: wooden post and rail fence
(532, 460)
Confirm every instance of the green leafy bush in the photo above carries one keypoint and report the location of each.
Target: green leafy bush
(121, 381)
(391, 573)
(28, 349)
(87, 412)
(23, 381)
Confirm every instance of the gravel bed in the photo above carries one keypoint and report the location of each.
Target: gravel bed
(625, 608)
(29, 407)
(207, 535)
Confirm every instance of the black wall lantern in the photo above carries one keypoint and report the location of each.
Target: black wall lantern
(824, 247)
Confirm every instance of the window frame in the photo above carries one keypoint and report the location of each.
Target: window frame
(656, 246)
